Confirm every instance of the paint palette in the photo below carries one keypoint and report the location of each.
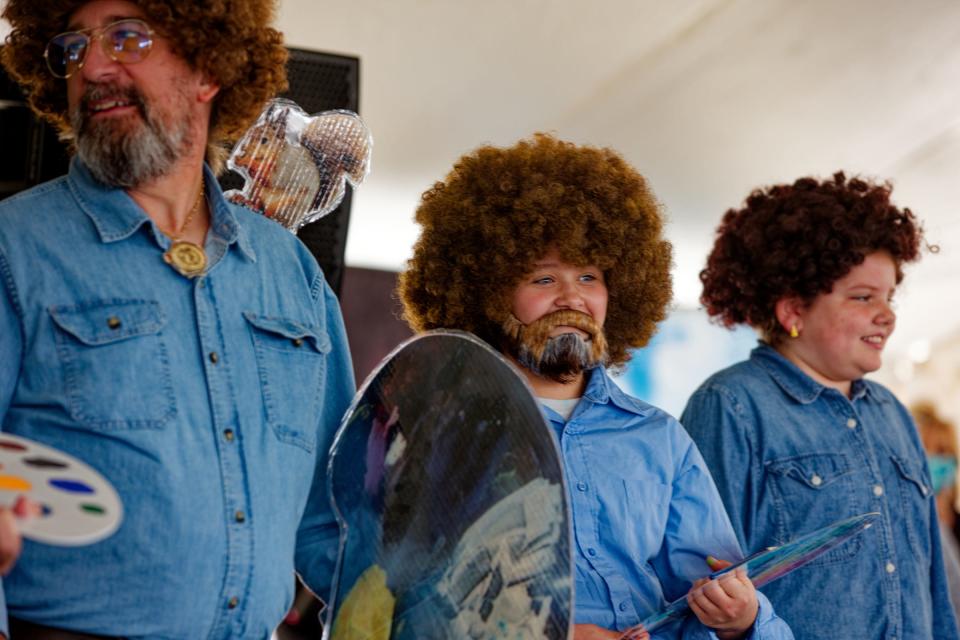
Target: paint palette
(78, 505)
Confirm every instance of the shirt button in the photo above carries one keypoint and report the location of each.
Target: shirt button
(852, 423)
(239, 516)
(214, 358)
(114, 322)
(582, 486)
(877, 490)
(297, 342)
(891, 567)
(233, 602)
(591, 551)
(924, 490)
(816, 480)
(622, 606)
(228, 435)
(201, 283)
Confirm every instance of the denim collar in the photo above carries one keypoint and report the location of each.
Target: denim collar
(601, 389)
(794, 382)
(117, 217)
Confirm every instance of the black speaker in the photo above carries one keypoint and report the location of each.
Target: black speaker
(30, 152)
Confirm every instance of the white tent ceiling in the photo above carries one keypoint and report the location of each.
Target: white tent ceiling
(707, 98)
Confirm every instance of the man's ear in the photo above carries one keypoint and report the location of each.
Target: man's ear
(208, 89)
(790, 311)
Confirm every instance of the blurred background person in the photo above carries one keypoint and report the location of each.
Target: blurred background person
(939, 438)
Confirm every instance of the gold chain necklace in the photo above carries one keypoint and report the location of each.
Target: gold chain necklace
(187, 258)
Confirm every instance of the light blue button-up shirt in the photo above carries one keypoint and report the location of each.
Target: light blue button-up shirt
(645, 513)
(209, 404)
(789, 456)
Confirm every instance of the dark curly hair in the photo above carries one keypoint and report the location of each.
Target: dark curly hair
(798, 240)
(227, 40)
(500, 210)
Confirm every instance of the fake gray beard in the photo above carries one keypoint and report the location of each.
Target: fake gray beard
(561, 358)
(124, 154)
(564, 357)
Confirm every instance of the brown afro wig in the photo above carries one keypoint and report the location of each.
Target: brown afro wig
(228, 40)
(797, 240)
(500, 209)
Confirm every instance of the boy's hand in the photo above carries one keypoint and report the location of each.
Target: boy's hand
(635, 633)
(727, 604)
(593, 632)
(716, 564)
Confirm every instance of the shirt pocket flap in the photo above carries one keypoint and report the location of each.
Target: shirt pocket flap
(816, 471)
(107, 322)
(913, 474)
(290, 332)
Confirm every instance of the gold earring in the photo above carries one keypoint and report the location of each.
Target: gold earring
(793, 331)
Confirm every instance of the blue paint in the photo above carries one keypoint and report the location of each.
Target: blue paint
(71, 486)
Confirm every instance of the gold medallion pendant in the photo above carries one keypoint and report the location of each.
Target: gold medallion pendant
(187, 258)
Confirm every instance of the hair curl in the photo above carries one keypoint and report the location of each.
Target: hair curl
(227, 40)
(500, 209)
(798, 240)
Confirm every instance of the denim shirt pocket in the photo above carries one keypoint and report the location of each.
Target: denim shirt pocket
(291, 361)
(811, 491)
(115, 366)
(646, 506)
(915, 496)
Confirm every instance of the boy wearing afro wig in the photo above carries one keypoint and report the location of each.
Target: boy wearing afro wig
(554, 254)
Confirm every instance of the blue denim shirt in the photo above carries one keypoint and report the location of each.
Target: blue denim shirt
(789, 456)
(210, 407)
(645, 513)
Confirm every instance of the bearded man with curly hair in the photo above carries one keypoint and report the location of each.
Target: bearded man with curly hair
(795, 436)
(554, 254)
(183, 346)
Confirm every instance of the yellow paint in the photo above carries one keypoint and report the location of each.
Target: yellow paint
(367, 611)
(14, 483)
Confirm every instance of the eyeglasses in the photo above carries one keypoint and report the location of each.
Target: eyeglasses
(127, 41)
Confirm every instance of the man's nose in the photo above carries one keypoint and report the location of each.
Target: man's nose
(98, 66)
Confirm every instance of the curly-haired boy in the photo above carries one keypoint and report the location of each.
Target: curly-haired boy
(554, 254)
(795, 436)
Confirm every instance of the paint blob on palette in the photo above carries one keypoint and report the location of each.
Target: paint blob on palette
(78, 505)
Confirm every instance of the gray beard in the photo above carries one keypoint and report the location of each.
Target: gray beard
(124, 154)
(564, 357)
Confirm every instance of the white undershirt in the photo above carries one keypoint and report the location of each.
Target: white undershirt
(564, 407)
